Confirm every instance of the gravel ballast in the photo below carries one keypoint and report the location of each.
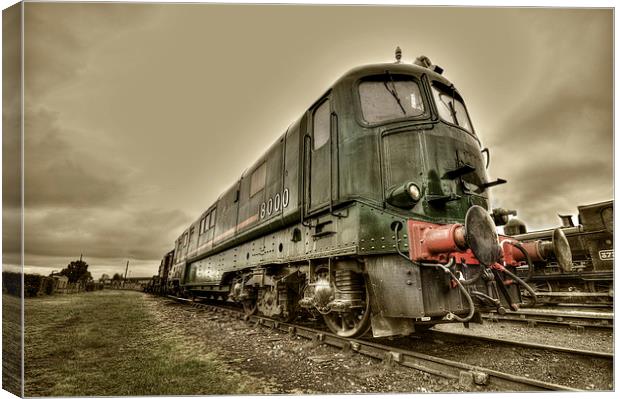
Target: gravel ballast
(294, 365)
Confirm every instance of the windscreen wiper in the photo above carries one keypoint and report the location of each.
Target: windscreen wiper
(452, 108)
(393, 91)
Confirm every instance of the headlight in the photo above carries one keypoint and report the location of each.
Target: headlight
(414, 192)
(405, 196)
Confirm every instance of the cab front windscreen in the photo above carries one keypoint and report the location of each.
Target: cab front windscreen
(390, 97)
(451, 108)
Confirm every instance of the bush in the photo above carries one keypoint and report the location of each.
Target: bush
(35, 284)
(12, 283)
(49, 285)
(32, 284)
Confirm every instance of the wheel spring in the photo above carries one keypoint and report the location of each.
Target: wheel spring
(349, 284)
(283, 295)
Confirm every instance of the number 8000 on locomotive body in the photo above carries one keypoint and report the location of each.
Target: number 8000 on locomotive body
(371, 211)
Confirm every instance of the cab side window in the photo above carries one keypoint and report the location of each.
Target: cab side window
(207, 222)
(212, 219)
(451, 108)
(257, 182)
(202, 225)
(320, 124)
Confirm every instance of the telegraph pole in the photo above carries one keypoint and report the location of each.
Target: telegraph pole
(126, 268)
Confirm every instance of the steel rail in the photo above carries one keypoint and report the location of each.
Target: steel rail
(498, 381)
(572, 351)
(584, 319)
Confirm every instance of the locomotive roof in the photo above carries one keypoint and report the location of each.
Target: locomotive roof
(401, 68)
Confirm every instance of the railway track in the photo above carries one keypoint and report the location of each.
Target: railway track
(598, 298)
(466, 374)
(598, 319)
(573, 351)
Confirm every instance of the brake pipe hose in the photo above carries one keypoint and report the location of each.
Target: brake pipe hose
(475, 278)
(530, 272)
(530, 265)
(470, 301)
(525, 285)
(493, 301)
(397, 227)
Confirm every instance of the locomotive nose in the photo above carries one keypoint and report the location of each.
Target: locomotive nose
(481, 237)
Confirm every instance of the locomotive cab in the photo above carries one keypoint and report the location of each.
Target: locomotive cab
(405, 128)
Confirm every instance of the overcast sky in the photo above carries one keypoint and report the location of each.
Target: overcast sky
(138, 116)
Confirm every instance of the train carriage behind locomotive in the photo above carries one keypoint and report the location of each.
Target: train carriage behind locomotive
(371, 210)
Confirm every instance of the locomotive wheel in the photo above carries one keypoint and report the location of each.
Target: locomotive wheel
(352, 324)
(542, 287)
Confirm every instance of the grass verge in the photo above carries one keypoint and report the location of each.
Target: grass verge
(11, 344)
(106, 343)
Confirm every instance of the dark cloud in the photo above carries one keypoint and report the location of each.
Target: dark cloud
(77, 201)
(11, 136)
(11, 235)
(11, 157)
(80, 195)
(143, 234)
(555, 145)
(11, 60)
(61, 36)
(58, 174)
(540, 191)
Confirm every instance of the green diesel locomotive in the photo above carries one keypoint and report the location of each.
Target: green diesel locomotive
(371, 211)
